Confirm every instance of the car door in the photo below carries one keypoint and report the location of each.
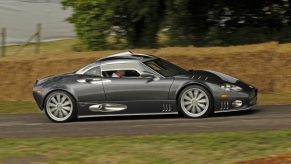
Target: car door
(88, 87)
(89, 90)
(136, 88)
(141, 95)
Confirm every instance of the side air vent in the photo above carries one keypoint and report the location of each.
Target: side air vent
(224, 105)
(167, 108)
(200, 77)
(107, 107)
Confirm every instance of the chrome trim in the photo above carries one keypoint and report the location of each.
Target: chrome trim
(81, 80)
(234, 110)
(95, 81)
(144, 114)
(119, 61)
(125, 54)
(237, 103)
(135, 101)
(87, 68)
(167, 107)
(224, 105)
(96, 107)
(101, 81)
(108, 107)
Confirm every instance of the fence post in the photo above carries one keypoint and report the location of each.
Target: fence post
(3, 41)
(38, 38)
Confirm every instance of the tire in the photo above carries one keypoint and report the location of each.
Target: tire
(195, 102)
(60, 106)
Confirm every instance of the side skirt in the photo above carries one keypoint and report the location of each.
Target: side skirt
(142, 114)
(140, 107)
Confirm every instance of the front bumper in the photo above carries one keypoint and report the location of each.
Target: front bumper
(248, 100)
(234, 110)
(39, 98)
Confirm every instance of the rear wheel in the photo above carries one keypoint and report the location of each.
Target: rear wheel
(60, 107)
(195, 101)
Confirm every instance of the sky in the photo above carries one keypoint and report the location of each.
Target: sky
(20, 18)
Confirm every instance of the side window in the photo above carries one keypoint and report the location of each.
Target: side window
(120, 73)
(93, 72)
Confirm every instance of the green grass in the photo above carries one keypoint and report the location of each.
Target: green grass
(219, 147)
(53, 47)
(275, 98)
(17, 107)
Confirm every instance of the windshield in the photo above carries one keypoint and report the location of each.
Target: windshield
(165, 68)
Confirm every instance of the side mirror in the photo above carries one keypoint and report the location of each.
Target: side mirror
(88, 80)
(147, 75)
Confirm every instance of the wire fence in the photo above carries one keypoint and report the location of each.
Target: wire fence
(34, 38)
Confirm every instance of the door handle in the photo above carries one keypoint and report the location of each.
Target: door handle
(94, 80)
(90, 80)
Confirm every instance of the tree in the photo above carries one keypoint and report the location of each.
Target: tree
(141, 20)
(187, 22)
(92, 20)
(225, 22)
(138, 21)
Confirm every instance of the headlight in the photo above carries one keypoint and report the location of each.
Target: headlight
(231, 87)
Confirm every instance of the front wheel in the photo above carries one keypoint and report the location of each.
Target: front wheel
(195, 101)
(60, 107)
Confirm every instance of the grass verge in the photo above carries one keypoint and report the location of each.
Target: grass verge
(274, 99)
(219, 147)
(18, 107)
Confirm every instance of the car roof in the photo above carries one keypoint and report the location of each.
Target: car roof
(123, 57)
(127, 56)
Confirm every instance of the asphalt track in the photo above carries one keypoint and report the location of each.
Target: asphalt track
(37, 125)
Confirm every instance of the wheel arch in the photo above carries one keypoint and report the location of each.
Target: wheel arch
(54, 90)
(197, 84)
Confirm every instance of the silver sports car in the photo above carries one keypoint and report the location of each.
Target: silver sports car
(137, 84)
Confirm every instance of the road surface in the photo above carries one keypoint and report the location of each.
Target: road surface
(37, 125)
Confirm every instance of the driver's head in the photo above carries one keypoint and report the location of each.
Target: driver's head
(120, 73)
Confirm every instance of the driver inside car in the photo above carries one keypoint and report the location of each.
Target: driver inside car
(118, 73)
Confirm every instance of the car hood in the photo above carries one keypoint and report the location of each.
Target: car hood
(214, 74)
(53, 78)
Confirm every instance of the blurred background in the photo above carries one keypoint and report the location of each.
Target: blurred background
(20, 17)
(248, 39)
(149, 24)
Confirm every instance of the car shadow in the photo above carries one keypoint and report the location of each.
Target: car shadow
(172, 116)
